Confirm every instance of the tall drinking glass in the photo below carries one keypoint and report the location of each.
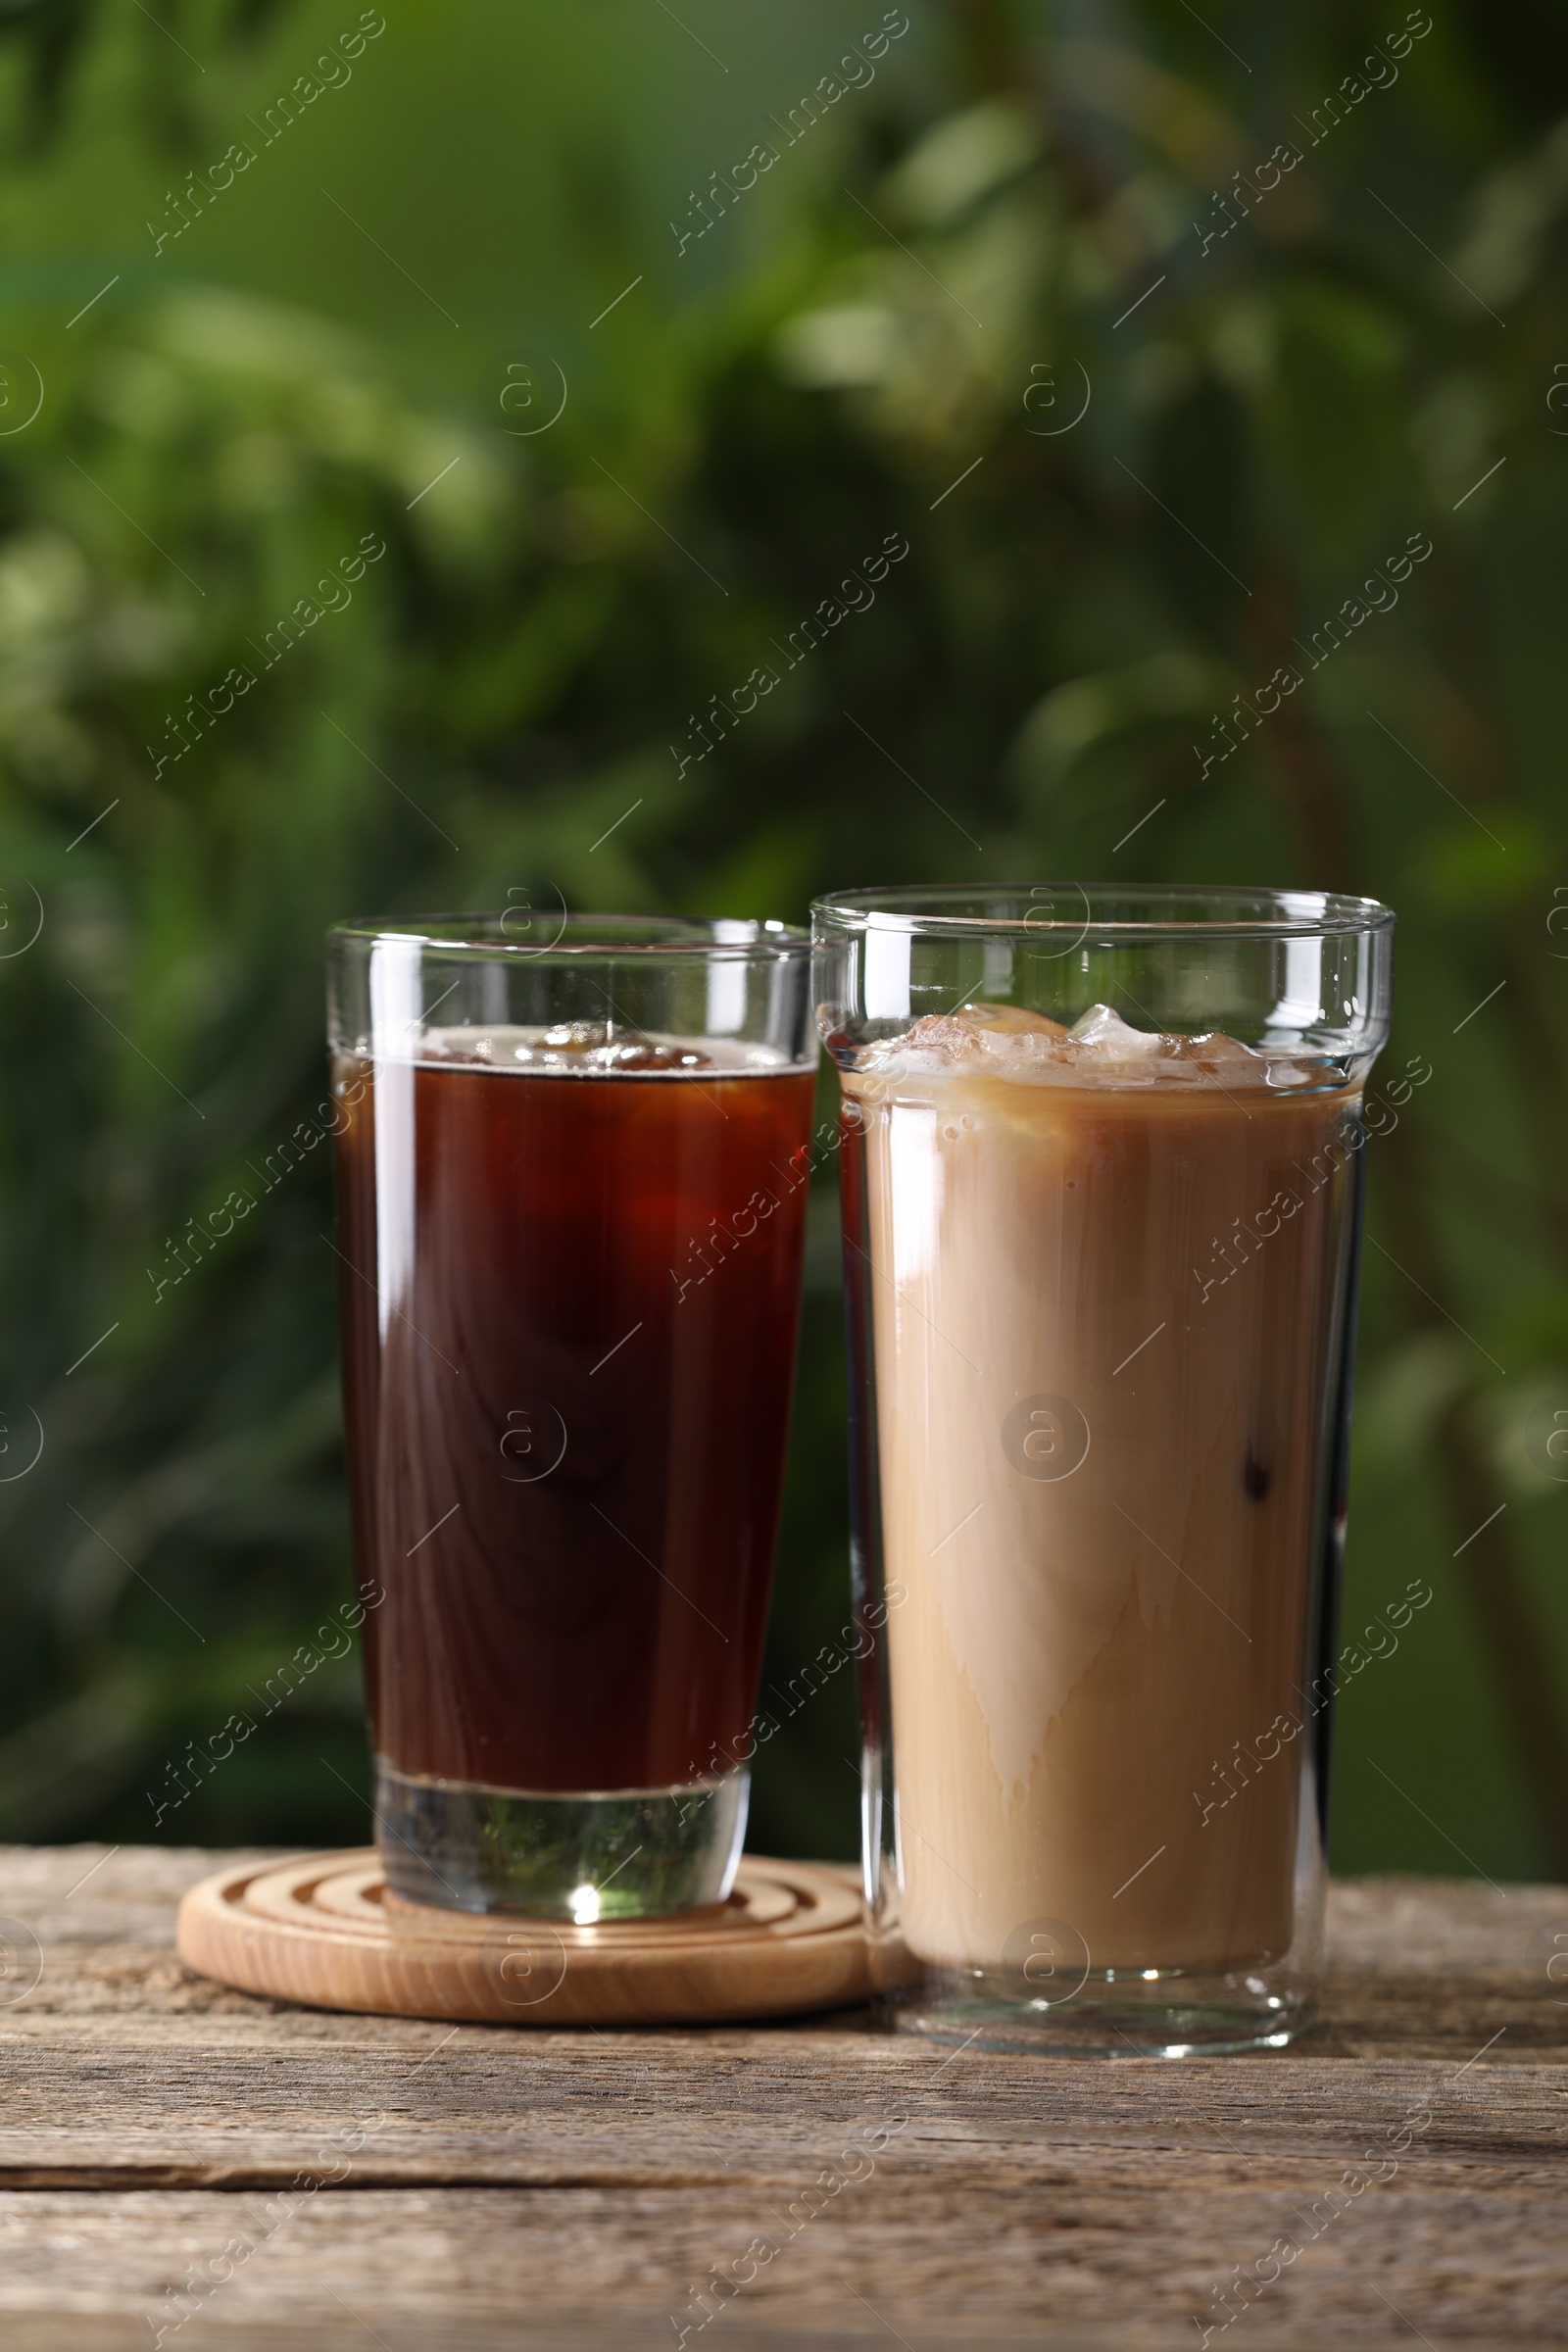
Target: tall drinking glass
(1102, 1162)
(570, 1220)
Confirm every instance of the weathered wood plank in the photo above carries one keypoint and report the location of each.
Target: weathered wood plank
(481, 2110)
(583, 2183)
(1130, 2256)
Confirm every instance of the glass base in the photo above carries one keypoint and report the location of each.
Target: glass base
(621, 1854)
(1172, 2013)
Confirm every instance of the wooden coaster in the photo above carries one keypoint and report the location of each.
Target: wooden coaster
(323, 1930)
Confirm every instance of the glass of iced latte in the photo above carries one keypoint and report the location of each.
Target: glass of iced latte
(1101, 1167)
(570, 1186)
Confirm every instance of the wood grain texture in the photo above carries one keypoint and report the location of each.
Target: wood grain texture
(473, 2186)
(324, 1930)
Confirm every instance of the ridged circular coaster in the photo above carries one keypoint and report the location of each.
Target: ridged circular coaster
(322, 1930)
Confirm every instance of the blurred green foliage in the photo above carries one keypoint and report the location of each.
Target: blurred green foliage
(896, 333)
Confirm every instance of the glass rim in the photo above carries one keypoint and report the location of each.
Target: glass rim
(696, 939)
(934, 910)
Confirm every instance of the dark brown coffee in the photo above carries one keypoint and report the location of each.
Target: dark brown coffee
(570, 1287)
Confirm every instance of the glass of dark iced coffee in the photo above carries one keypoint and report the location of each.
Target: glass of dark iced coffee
(1102, 1162)
(571, 1219)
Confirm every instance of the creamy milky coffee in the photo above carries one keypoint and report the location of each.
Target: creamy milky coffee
(1108, 1269)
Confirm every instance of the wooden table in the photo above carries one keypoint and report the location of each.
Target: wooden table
(349, 2180)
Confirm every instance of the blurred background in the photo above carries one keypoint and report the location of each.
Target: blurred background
(626, 334)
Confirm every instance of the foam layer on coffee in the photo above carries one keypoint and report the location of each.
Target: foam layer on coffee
(1102, 1453)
